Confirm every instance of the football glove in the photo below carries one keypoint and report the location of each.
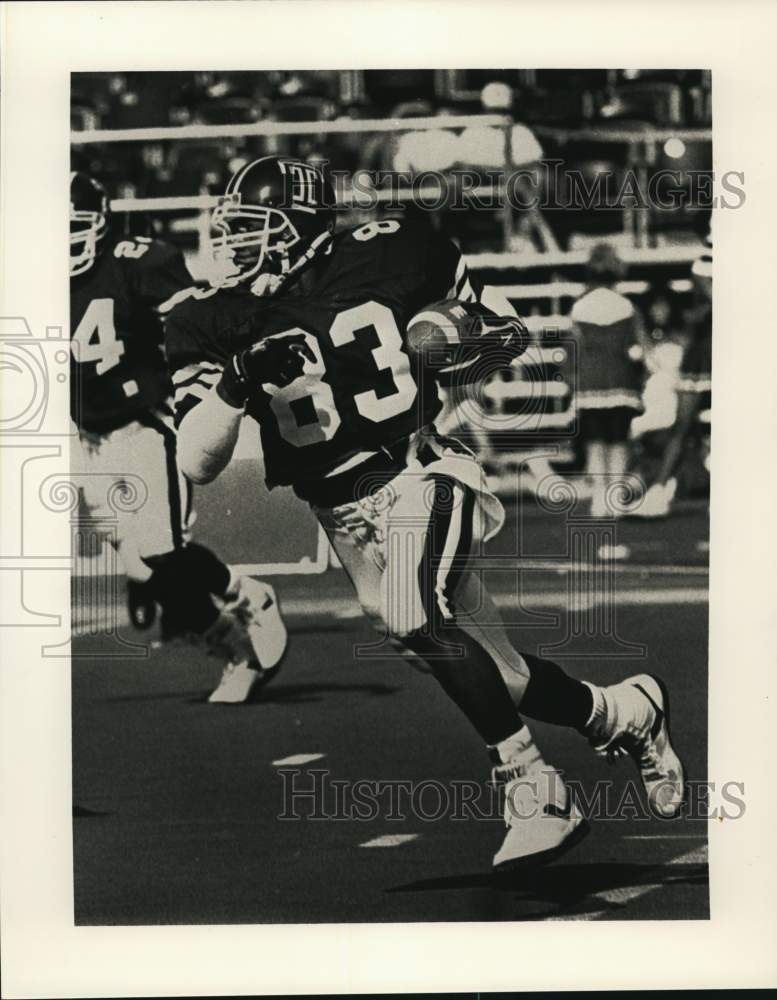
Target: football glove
(487, 331)
(454, 334)
(278, 360)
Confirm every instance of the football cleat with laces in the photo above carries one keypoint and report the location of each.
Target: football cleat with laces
(632, 718)
(657, 502)
(237, 683)
(228, 640)
(255, 606)
(542, 820)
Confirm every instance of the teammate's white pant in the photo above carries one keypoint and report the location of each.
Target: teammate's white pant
(134, 490)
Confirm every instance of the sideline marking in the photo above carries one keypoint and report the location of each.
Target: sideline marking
(298, 758)
(391, 840)
(627, 894)
(666, 836)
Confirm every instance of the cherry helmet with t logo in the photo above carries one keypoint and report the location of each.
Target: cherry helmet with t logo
(275, 215)
(89, 217)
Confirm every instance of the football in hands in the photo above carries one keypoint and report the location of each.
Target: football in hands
(436, 334)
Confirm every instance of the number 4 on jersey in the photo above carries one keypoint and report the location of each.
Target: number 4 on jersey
(96, 337)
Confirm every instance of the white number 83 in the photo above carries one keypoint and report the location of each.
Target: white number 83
(389, 355)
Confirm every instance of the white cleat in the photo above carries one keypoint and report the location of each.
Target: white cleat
(243, 674)
(633, 718)
(657, 502)
(542, 820)
(236, 684)
(255, 606)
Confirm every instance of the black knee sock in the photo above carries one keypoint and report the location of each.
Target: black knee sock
(467, 673)
(184, 596)
(473, 681)
(203, 563)
(553, 696)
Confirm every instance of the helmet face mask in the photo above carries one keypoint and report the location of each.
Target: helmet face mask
(89, 214)
(86, 230)
(253, 238)
(267, 226)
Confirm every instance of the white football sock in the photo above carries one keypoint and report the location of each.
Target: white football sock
(517, 745)
(598, 714)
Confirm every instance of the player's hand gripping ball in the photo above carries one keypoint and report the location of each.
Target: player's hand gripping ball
(452, 332)
(435, 334)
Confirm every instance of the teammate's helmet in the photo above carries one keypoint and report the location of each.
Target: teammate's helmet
(277, 212)
(89, 217)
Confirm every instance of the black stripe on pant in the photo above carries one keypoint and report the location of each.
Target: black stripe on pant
(437, 538)
(466, 670)
(173, 483)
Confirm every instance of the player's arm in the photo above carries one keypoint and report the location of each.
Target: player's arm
(210, 400)
(207, 426)
(208, 429)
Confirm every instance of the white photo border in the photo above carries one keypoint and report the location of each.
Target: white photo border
(43, 953)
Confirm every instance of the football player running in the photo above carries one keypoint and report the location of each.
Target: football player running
(120, 403)
(309, 337)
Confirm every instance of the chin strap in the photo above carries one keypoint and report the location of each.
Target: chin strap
(268, 283)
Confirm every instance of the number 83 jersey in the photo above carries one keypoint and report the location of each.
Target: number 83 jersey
(118, 368)
(364, 391)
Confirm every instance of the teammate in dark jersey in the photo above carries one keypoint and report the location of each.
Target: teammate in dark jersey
(118, 362)
(311, 340)
(120, 403)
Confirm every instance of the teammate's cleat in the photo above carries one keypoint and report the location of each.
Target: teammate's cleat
(541, 818)
(657, 502)
(140, 604)
(250, 635)
(237, 683)
(633, 718)
(228, 639)
(255, 606)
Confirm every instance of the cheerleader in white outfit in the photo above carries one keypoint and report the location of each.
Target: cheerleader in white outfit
(608, 393)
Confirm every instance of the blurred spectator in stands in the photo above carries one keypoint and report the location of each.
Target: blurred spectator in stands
(435, 149)
(694, 387)
(84, 114)
(607, 330)
(491, 146)
(660, 317)
(664, 345)
(350, 145)
(204, 165)
(512, 149)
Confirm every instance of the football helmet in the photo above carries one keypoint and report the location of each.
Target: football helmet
(275, 215)
(89, 218)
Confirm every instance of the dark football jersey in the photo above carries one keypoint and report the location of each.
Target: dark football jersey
(364, 391)
(118, 367)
